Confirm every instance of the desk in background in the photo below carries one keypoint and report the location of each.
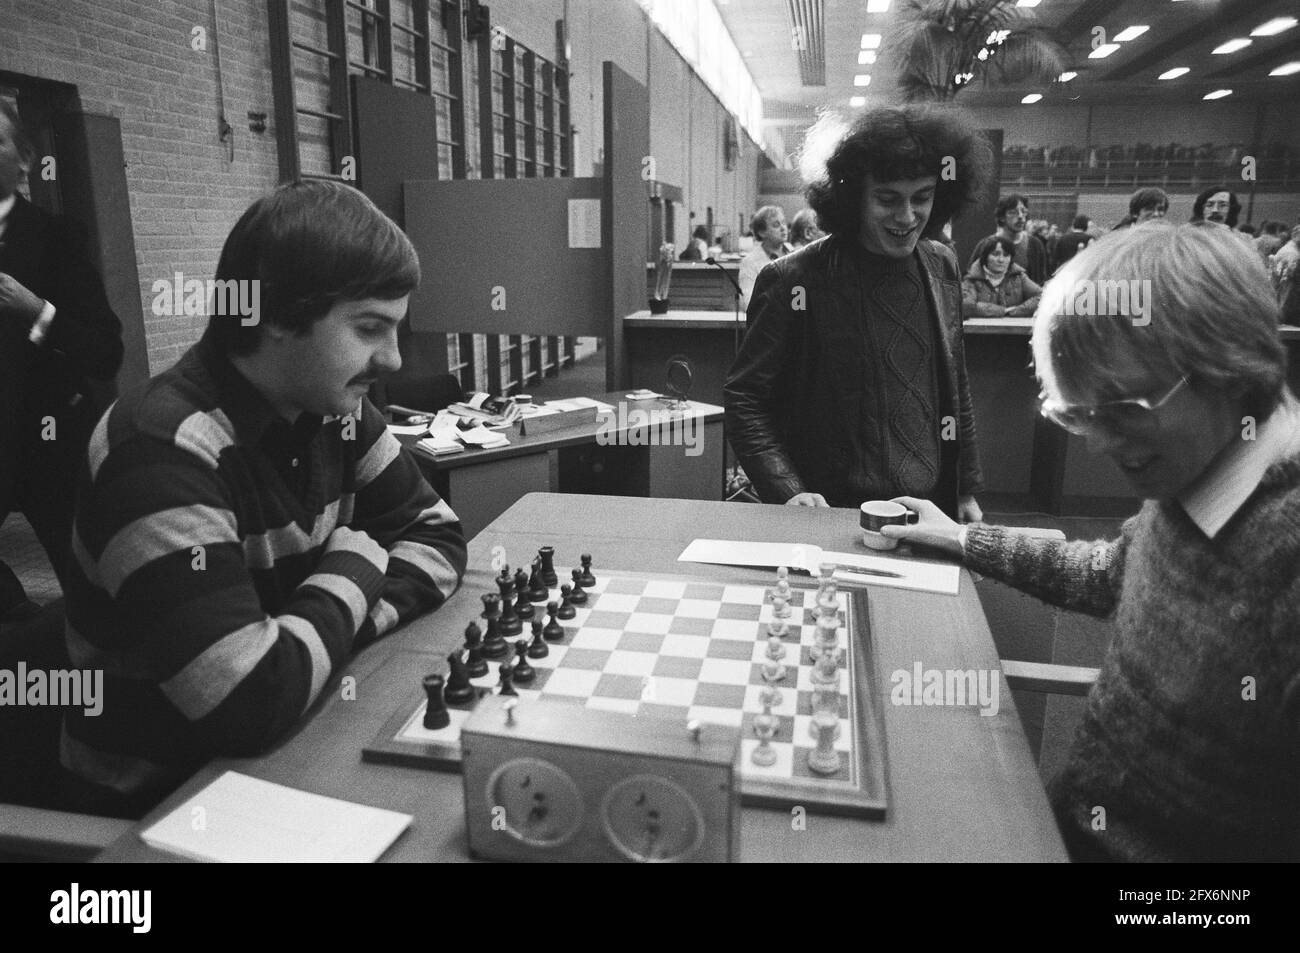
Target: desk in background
(481, 484)
(697, 286)
(963, 786)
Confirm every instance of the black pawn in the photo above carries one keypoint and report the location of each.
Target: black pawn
(506, 685)
(495, 645)
(509, 623)
(566, 606)
(547, 556)
(588, 580)
(475, 664)
(491, 605)
(458, 691)
(538, 647)
(524, 673)
(577, 597)
(553, 631)
(435, 712)
(537, 591)
(523, 608)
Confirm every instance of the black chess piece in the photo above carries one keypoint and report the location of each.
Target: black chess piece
(566, 606)
(547, 556)
(506, 685)
(435, 712)
(577, 597)
(476, 665)
(537, 591)
(587, 580)
(524, 673)
(459, 691)
(523, 607)
(553, 631)
(538, 647)
(495, 645)
(491, 605)
(509, 623)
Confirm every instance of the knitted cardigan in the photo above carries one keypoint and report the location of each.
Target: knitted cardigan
(1189, 748)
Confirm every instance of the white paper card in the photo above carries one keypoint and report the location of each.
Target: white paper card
(584, 223)
(247, 820)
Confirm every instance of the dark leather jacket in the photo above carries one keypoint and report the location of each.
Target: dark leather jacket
(801, 414)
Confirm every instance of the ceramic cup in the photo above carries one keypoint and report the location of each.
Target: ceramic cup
(877, 513)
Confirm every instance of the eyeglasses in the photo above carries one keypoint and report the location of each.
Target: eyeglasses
(1135, 415)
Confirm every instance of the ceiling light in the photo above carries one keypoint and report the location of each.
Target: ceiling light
(1103, 51)
(1174, 73)
(856, 101)
(1028, 3)
(1217, 94)
(1132, 33)
(862, 79)
(1232, 46)
(1286, 69)
(1274, 27)
(866, 57)
(870, 41)
(1066, 76)
(877, 6)
(1032, 98)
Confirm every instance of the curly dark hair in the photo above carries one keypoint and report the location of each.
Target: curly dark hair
(890, 143)
(1234, 206)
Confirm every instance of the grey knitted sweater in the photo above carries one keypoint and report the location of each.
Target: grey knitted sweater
(1190, 745)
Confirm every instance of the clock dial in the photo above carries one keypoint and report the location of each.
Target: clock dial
(651, 818)
(539, 802)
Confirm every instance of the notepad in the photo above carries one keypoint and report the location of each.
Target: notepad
(239, 819)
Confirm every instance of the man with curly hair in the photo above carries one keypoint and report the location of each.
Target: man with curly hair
(851, 381)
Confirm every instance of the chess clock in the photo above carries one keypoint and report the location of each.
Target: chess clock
(554, 781)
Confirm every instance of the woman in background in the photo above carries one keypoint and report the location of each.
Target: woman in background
(995, 286)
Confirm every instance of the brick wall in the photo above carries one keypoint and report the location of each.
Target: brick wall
(134, 60)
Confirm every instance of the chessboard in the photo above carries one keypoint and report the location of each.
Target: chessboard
(682, 649)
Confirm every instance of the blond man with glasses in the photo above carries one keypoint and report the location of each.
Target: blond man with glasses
(1190, 745)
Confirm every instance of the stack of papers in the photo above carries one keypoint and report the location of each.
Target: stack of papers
(238, 819)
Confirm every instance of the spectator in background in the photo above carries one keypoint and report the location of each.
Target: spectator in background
(1217, 204)
(697, 249)
(1283, 271)
(1146, 204)
(1272, 236)
(1031, 254)
(995, 286)
(769, 228)
(1073, 241)
(804, 229)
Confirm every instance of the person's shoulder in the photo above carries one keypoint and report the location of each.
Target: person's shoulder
(941, 256)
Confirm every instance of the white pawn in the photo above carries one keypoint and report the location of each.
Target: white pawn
(780, 607)
(765, 727)
(775, 648)
(824, 759)
(778, 628)
(783, 583)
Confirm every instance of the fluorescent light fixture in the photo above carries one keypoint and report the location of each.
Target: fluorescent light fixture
(856, 101)
(1174, 73)
(866, 57)
(1032, 98)
(1132, 33)
(1286, 69)
(1274, 26)
(1217, 94)
(870, 41)
(1066, 76)
(1103, 51)
(1232, 46)
(1028, 3)
(862, 79)
(877, 6)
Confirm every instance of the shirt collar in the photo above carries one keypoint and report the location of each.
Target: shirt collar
(1216, 496)
(249, 412)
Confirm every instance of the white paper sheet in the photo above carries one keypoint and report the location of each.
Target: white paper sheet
(913, 574)
(408, 430)
(238, 819)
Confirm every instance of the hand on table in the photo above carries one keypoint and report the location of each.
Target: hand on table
(807, 499)
(359, 542)
(933, 527)
(16, 301)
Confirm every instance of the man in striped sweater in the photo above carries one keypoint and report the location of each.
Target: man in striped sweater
(246, 521)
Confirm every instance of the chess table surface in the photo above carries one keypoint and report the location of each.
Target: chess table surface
(963, 786)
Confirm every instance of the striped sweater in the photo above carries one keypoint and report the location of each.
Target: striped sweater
(208, 581)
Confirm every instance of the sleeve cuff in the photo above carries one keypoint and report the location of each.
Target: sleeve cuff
(961, 538)
(42, 326)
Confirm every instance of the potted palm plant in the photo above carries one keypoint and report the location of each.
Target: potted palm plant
(944, 46)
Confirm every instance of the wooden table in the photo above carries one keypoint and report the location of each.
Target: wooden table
(963, 787)
(481, 484)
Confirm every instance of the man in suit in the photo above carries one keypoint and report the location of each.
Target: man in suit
(57, 332)
(851, 381)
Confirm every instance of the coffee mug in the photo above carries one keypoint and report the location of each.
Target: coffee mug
(874, 514)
